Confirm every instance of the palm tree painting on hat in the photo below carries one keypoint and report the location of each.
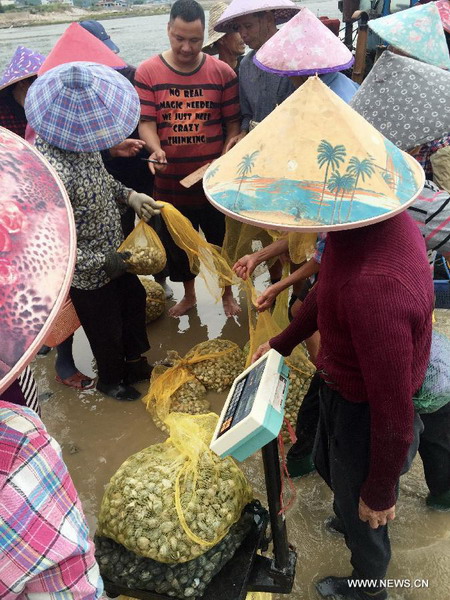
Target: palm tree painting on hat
(313, 164)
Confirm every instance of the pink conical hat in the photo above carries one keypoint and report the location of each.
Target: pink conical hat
(304, 46)
(443, 7)
(37, 252)
(282, 9)
(77, 44)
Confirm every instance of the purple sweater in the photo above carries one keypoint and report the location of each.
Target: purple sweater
(373, 306)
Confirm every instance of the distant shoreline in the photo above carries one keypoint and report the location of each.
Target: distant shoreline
(13, 19)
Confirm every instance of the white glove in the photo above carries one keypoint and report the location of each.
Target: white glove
(144, 206)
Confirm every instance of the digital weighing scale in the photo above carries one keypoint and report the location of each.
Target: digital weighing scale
(253, 413)
(251, 419)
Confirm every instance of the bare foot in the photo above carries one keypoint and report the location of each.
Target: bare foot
(230, 306)
(182, 307)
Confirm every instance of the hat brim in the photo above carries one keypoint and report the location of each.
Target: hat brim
(38, 265)
(215, 37)
(304, 72)
(111, 45)
(281, 15)
(17, 79)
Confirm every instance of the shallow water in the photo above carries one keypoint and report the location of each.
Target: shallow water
(137, 37)
(97, 434)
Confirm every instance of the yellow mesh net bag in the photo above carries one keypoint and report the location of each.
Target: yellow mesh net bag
(155, 302)
(174, 389)
(216, 271)
(216, 363)
(262, 327)
(173, 501)
(239, 238)
(209, 365)
(147, 252)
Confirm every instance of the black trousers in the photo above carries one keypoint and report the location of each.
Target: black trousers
(113, 318)
(209, 220)
(434, 450)
(341, 455)
(307, 419)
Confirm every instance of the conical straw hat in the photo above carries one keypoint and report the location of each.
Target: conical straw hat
(407, 100)
(314, 164)
(283, 11)
(215, 12)
(416, 31)
(38, 250)
(443, 7)
(77, 44)
(304, 46)
(24, 63)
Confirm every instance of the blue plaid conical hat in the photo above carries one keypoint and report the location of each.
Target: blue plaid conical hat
(416, 31)
(24, 63)
(82, 107)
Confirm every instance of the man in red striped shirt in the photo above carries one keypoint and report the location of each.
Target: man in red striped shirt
(187, 99)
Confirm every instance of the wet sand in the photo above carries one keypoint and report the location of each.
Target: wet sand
(97, 434)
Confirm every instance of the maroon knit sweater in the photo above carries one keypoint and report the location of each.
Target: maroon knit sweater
(373, 306)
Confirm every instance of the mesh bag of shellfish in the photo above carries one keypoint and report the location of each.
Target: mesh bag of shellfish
(183, 580)
(147, 252)
(216, 363)
(301, 371)
(174, 389)
(155, 302)
(174, 501)
(435, 390)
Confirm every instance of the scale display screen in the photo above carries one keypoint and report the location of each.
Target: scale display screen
(243, 397)
(253, 412)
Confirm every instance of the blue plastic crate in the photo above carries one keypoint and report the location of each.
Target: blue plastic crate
(442, 287)
(442, 293)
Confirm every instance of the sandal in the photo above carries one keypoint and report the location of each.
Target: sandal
(77, 381)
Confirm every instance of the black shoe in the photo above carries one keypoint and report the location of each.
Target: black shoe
(338, 588)
(334, 525)
(119, 391)
(138, 370)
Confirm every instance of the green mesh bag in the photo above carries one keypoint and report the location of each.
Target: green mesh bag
(435, 390)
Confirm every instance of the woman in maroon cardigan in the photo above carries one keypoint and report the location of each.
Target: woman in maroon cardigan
(373, 306)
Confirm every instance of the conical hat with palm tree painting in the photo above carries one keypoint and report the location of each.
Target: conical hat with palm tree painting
(314, 164)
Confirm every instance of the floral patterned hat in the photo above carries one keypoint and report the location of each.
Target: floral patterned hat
(313, 164)
(443, 7)
(416, 31)
(283, 11)
(82, 107)
(304, 46)
(37, 252)
(406, 100)
(24, 63)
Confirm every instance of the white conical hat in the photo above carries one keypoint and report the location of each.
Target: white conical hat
(314, 164)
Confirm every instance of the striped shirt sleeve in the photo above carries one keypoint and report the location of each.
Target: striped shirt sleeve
(230, 98)
(44, 543)
(146, 93)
